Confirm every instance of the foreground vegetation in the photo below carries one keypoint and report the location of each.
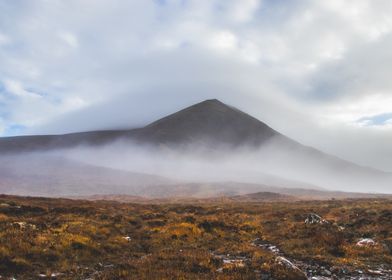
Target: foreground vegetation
(75, 239)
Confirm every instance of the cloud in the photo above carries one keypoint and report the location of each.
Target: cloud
(16, 88)
(310, 69)
(243, 11)
(70, 39)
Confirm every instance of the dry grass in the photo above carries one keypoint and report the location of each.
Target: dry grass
(85, 239)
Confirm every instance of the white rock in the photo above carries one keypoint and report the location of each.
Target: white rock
(376, 272)
(366, 242)
(127, 238)
(22, 225)
(315, 219)
(285, 262)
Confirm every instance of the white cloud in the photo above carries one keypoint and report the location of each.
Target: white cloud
(308, 68)
(350, 111)
(222, 41)
(369, 19)
(16, 88)
(70, 39)
(242, 11)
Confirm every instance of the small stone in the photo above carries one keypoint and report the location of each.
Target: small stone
(366, 242)
(127, 238)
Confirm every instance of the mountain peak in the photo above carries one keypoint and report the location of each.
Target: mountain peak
(209, 121)
(212, 101)
(211, 104)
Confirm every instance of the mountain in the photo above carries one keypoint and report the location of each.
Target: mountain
(233, 145)
(210, 121)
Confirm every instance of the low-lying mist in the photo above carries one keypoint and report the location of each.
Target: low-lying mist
(200, 169)
(276, 163)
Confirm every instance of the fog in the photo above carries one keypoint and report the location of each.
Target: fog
(276, 163)
(216, 166)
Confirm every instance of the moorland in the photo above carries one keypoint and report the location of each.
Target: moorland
(57, 238)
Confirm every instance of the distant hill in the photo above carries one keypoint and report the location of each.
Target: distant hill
(264, 195)
(253, 197)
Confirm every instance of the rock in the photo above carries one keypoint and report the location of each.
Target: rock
(375, 272)
(285, 269)
(313, 218)
(285, 262)
(53, 275)
(234, 262)
(24, 225)
(20, 225)
(231, 262)
(340, 228)
(266, 246)
(366, 242)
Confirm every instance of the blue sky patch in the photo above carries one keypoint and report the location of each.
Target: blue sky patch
(14, 129)
(381, 119)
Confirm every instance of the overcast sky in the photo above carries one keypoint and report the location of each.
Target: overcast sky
(317, 71)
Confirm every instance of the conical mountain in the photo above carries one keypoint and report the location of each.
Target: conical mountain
(211, 122)
(208, 122)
